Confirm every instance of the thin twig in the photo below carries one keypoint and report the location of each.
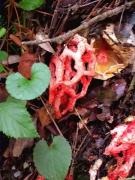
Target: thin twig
(121, 17)
(54, 18)
(87, 4)
(83, 122)
(61, 38)
(55, 124)
(44, 13)
(77, 151)
(17, 16)
(96, 6)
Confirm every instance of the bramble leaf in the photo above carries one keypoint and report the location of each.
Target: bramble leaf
(15, 121)
(30, 5)
(21, 88)
(53, 161)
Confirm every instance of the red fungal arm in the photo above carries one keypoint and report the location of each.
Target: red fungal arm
(122, 147)
(40, 178)
(72, 69)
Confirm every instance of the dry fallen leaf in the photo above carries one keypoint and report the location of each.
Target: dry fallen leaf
(18, 41)
(25, 64)
(46, 46)
(20, 145)
(12, 59)
(108, 63)
(125, 52)
(43, 115)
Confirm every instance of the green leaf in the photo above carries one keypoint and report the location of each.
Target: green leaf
(15, 121)
(2, 32)
(21, 88)
(30, 5)
(2, 69)
(3, 55)
(53, 161)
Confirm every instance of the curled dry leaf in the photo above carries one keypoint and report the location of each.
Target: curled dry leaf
(46, 46)
(126, 53)
(25, 64)
(107, 62)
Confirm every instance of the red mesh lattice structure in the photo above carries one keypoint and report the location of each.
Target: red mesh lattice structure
(72, 69)
(122, 147)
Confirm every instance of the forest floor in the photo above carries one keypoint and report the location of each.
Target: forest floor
(88, 108)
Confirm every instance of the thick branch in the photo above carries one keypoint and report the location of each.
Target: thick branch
(61, 38)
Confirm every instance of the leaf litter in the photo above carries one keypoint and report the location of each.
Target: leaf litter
(88, 120)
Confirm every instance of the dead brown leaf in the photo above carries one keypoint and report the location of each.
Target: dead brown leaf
(17, 41)
(108, 63)
(12, 59)
(124, 52)
(25, 64)
(43, 117)
(26, 32)
(20, 145)
(46, 46)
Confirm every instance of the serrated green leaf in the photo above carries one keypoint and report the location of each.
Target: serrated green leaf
(15, 121)
(30, 5)
(3, 55)
(21, 88)
(53, 161)
(2, 32)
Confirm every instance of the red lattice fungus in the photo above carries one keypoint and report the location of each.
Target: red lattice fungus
(72, 69)
(122, 147)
